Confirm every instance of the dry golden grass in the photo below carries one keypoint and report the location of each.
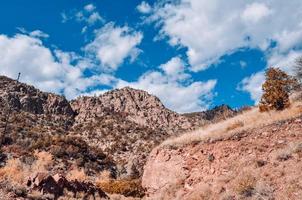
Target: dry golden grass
(18, 172)
(43, 162)
(225, 129)
(287, 152)
(77, 174)
(127, 188)
(245, 185)
(104, 176)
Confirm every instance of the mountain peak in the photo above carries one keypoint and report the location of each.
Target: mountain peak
(137, 105)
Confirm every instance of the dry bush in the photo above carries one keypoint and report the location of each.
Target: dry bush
(18, 172)
(287, 152)
(283, 155)
(202, 192)
(248, 120)
(298, 69)
(245, 185)
(235, 125)
(76, 174)
(105, 175)
(127, 188)
(14, 171)
(43, 163)
(263, 191)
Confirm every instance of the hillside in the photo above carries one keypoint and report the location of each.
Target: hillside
(251, 156)
(111, 134)
(126, 138)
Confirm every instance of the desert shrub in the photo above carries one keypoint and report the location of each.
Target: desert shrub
(77, 174)
(92, 159)
(245, 185)
(276, 90)
(127, 188)
(235, 125)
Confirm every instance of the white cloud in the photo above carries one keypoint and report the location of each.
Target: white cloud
(89, 7)
(48, 70)
(242, 64)
(113, 44)
(144, 8)
(93, 18)
(173, 66)
(175, 69)
(253, 85)
(35, 33)
(255, 12)
(284, 61)
(38, 34)
(169, 86)
(211, 29)
(88, 15)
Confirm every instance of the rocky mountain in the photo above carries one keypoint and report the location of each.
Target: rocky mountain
(134, 105)
(124, 124)
(112, 133)
(22, 97)
(216, 114)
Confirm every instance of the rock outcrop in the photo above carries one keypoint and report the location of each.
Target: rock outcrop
(55, 186)
(134, 105)
(216, 114)
(22, 97)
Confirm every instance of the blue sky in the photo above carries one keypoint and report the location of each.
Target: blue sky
(192, 54)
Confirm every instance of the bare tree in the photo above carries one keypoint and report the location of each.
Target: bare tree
(298, 69)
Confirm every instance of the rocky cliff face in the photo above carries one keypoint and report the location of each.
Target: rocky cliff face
(262, 163)
(134, 105)
(22, 97)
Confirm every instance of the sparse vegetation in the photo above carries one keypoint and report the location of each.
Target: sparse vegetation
(287, 152)
(245, 185)
(249, 119)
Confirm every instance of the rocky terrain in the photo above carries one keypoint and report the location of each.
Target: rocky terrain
(103, 144)
(263, 162)
(112, 133)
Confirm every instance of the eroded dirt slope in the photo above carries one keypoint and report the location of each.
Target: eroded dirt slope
(260, 163)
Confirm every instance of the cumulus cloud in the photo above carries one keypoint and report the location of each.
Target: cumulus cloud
(173, 92)
(253, 85)
(211, 29)
(48, 70)
(144, 8)
(113, 44)
(255, 12)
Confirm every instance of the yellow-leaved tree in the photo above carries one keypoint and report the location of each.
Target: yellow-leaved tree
(276, 90)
